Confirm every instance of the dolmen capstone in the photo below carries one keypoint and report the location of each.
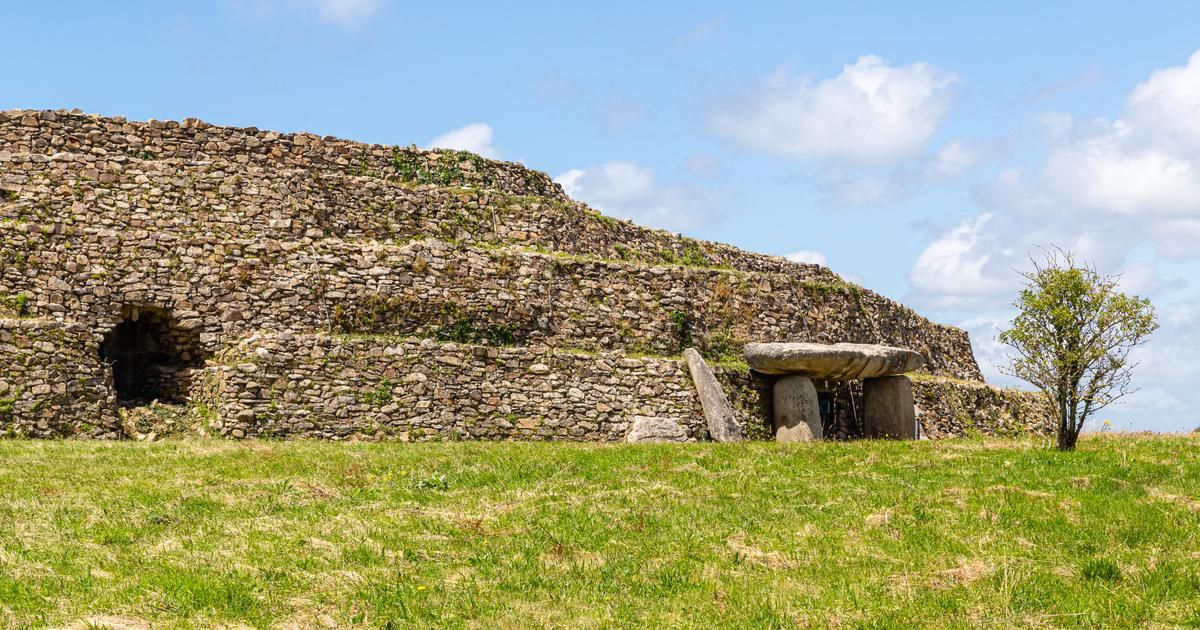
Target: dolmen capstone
(888, 406)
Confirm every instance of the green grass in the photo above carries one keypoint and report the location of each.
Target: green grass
(872, 535)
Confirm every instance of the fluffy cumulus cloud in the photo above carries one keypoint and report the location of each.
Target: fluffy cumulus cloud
(1145, 164)
(872, 112)
(630, 191)
(476, 138)
(808, 256)
(958, 269)
(1104, 188)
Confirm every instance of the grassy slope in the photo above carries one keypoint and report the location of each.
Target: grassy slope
(207, 533)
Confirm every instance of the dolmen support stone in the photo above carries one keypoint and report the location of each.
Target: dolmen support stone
(718, 413)
(889, 409)
(797, 413)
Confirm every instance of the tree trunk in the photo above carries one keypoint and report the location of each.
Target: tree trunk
(1066, 437)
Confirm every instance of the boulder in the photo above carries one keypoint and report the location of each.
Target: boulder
(718, 413)
(797, 412)
(837, 362)
(888, 408)
(648, 429)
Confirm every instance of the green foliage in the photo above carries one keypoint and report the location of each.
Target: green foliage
(8, 195)
(389, 315)
(693, 255)
(681, 327)
(461, 327)
(212, 533)
(1072, 339)
(8, 404)
(363, 168)
(721, 348)
(443, 168)
(16, 304)
(380, 395)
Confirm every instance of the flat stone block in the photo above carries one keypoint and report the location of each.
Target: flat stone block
(649, 429)
(797, 413)
(888, 408)
(838, 362)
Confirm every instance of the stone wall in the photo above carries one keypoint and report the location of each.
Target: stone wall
(451, 291)
(108, 140)
(953, 408)
(262, 248)
(52, 383)
(412, 389)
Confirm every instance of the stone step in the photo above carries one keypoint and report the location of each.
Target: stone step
(449, 290)
(120, 140)
(251, 202)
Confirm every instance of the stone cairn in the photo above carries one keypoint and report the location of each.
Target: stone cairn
(289, 285)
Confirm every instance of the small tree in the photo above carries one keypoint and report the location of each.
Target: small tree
(1072, 339)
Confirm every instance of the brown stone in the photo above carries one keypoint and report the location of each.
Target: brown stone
(888, 408)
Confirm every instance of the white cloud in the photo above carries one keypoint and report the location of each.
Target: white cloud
(1166, 370)
(476, 138)
(629, 191)
(808, 256)
(1145, 164)
(1114, 171)
(346, 12)
(1104, 188)
(959, 268)
(1139, 278)
(955, 159)
(1166, 107)
(870, 113)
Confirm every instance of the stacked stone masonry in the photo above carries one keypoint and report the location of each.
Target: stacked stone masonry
(276, 246)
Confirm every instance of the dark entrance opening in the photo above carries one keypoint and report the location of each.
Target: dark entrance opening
(825, 404)
(151, 356)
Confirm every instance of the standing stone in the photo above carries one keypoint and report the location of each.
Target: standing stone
(722, 424)
(647, 429)
(888, 408)
(797, 412)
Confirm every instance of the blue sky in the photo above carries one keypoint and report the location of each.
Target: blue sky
(922, 150)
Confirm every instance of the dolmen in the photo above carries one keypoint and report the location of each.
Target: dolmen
(888, 407)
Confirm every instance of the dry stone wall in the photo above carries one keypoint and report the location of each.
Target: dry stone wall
(358, 249)
(952, 408)
(452, 291)
(52, 383)
(410, 389)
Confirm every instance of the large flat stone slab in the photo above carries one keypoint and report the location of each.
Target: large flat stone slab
(837, 362)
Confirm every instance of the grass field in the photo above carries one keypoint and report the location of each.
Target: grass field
(868, 534)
